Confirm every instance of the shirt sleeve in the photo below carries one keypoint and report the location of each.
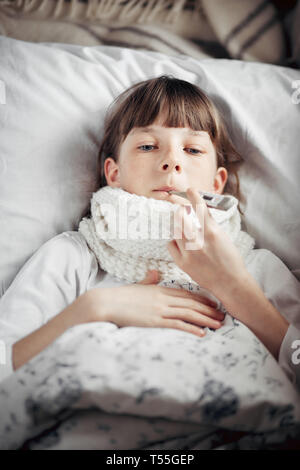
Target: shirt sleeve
(49, 281)
(282, 289)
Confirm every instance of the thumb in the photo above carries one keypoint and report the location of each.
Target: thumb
(198, 204)
(152, 277)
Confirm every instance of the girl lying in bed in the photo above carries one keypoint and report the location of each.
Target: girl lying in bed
(160, 134)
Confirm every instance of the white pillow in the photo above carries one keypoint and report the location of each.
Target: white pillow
(51, 125)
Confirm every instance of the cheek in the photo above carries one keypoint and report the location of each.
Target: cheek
(133, 169)
(203, 176)
(203, 167)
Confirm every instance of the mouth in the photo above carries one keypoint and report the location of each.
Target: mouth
(166, 189)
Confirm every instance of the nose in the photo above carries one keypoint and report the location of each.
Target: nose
(170, 162)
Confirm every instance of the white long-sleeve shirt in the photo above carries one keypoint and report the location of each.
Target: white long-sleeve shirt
(64, 268)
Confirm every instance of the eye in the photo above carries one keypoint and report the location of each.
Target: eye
(193, 151)
(146, 147)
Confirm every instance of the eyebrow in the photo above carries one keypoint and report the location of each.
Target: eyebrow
(151, 129)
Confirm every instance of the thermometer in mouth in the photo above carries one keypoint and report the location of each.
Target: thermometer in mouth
(215, 201)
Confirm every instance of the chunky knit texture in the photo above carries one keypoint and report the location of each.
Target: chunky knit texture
(129, 234)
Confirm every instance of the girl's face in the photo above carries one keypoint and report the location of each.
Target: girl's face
(157, 158)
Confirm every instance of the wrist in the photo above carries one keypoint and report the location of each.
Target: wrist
(228, 289)
(92, 306)
(245, 300)
(241, 294)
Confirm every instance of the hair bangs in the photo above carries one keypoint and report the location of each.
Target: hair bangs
(174, 102)
(191, 113)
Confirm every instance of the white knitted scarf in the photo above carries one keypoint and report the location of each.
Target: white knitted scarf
(129, 234)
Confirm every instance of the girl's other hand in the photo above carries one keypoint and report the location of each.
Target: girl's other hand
(146, 304)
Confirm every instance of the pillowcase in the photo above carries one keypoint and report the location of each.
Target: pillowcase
(53, 101)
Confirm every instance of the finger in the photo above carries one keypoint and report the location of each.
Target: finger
(152, 277)
(187, 294)
(187, 234)
(194, 197)
(182, 201)
(200, 307)
(189, 315)
(181, 292)
(199, 205)
(181, 325)
(183, 224)
(197, 302)
(205, 301)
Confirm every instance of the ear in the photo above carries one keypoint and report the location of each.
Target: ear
(220, 179)
(111, 171)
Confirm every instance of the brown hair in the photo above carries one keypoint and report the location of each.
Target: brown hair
(184, 105)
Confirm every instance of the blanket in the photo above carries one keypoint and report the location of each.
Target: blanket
(165, 387)
(249, 30)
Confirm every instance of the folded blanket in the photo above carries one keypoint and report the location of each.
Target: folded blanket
(248, 30)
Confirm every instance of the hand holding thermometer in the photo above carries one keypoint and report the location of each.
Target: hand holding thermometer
(215, 201)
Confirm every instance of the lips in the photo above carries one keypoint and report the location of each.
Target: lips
(166, 188)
